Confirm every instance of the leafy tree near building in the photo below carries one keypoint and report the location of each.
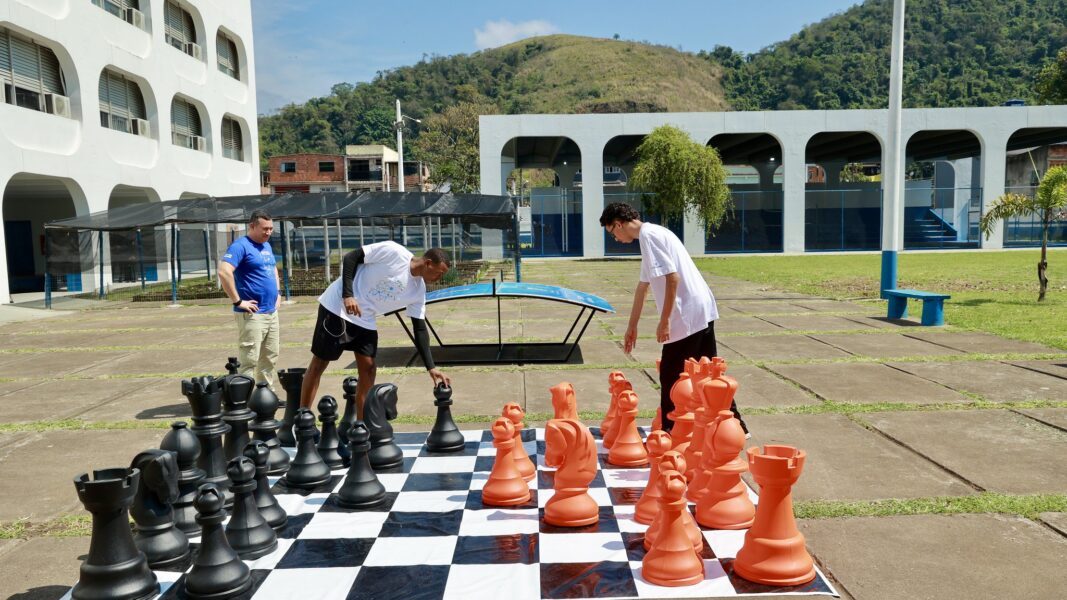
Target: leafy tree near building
(448, 142)
(1052, 80)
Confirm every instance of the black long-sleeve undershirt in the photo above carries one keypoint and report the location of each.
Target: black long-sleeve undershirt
(422, 342)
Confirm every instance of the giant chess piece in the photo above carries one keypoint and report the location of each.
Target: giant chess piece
(378, 409)
(570, 447)
(618, 384)
(673, 461)
(609, 414)
(672, 561)
(268, 506)
(236, 390)
(348, 387)
(307, 469)
(248, 532)
(705, 370)
(725, 503)
(444, 436)
(114, 569)
(205, 398)
(233, 366)
(329, 442)
(163, 544)
(628, 449)
(217, 571)
(526, 466)
(774, 552)
(361, 488)
(186, 447)
(505, 486)
(564, 402)
(718, 393)
(292, 380)
(265, 428)
(681, 393)
(647, 507)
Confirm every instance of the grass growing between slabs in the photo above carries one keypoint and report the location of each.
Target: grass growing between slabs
(995, 292)
(1029, 506)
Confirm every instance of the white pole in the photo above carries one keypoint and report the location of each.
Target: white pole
(326, 245)
(399, 148)
(893, 174)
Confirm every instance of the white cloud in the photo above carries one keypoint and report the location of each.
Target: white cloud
(498, 33)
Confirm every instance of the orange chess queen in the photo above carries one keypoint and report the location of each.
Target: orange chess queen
(570, 447)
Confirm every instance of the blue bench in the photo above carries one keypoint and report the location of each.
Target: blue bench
(933, 305)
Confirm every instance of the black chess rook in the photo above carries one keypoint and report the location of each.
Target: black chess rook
(292, 380)
(205, 399)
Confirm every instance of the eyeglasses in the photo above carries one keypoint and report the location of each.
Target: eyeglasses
(612, 228)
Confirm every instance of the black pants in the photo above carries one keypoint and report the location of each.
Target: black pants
(672, 363)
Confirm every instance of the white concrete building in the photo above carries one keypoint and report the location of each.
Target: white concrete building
(113, 102)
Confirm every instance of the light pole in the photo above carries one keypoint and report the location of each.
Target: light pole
(400, 160)
(893, 174)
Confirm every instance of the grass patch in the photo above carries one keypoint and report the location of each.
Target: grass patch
(65, 526)
(1029, 506)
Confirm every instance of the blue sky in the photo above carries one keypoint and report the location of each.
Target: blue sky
(304, 47)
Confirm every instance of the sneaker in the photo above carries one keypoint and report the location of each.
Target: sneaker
(748, 436)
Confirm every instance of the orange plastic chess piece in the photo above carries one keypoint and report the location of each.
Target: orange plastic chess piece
(673, 461)
(704, 370)
(505, 486)
(718, 393)
(725, 503)
(564, 402)
(628, 449)
(774, 552)
(647, 506)
(672, 560)
(526, 467)
(657, 421)
(681, 393)
(570, 447)
(609, 416)
(618, 386)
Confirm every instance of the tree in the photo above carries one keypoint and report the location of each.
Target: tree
(449, 144)
(1052, 80)
(680, 175)
(1049, 204)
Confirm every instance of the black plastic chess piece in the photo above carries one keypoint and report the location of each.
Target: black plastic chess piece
(114, 569)
(291, 380)
(361, 488)
(232, 365)
(235, 392)
(445, 436)
(348, 387)
(328, 440)
(205, 398)
(268, 506)
(247, 531)
(307, 469)
(186, 447)
(217, 571)
(264, 403)
(163, 544)
(378, 409)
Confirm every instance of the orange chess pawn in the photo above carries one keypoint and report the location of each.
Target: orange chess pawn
(673, 461)
(672, 560)
(564, 402)
(526, 467)
(609, 415)
(570, 447)
(505, 486)
(628, 449)
(647, 507)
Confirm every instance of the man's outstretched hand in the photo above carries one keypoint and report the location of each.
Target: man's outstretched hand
(439, 377)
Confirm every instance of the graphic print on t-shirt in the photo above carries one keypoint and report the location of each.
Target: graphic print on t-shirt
(388, 290)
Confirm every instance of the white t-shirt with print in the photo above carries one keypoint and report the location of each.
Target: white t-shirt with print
(383, 283)
(662, 253)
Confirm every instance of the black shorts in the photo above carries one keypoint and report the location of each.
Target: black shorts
(333, 335)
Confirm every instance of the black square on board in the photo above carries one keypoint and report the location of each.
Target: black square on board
(386, 505)
(625, 496)
(434, 482)
(421, 524)
(322, 488)
(410, 437)
(606, 524)
(332, 552)
(587, 580)
(411, 582)
(294, 525)
(496, 549)
(744, 586)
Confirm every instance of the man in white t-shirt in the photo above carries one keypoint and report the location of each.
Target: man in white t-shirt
(375, 280)
(686, 326)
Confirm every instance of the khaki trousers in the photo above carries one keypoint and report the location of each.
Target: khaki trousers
(259, 341)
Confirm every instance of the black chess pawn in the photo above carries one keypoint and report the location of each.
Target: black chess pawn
(329, 443)
(205, 399)
(268, 506)
(217, 571)
(114, 568)
(307, 469)
(163, 544)
(378, 409)
(235, 392)
(186, 447)
(264, 403)
(444, 436)
(292, 380)
(361, 488)
(348, 386)
(248, 532)
(232, 365)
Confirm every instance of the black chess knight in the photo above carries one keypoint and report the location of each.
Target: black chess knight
(378, 409)
(154, 532)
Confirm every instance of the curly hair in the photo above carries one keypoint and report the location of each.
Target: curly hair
(618, 211)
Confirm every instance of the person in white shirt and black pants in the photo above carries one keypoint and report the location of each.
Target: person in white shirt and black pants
(687, 308)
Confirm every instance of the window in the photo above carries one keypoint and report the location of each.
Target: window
(185, 125)
(33, 71)
(226, 50)
(180, 31)
(288, 167)
(326, 166)
(232, 144)
(127, 10)
(120, 102)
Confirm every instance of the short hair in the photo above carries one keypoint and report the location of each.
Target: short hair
(618, 211)
(257, 215)
(437, 256)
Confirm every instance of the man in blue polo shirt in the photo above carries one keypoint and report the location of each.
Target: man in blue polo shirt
(249, 277)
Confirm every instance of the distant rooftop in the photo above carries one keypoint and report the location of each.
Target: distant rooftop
(387, 153)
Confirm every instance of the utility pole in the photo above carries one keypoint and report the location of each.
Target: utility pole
(893, 174)
(399, 148)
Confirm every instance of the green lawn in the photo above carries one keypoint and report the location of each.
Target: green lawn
(991, 291)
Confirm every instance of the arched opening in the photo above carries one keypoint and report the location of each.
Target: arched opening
(754, 164)
(620, 158)
(122, 104)
(942, 190)
(1031, 153)
(550, 216)
(135, 254)
(843, 194)
(30, 201)
(189, 125)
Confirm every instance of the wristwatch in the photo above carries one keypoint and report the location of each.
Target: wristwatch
(238, 303)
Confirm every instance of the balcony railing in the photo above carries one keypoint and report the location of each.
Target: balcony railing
(364, 174)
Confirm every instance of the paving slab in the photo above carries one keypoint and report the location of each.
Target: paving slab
(765, 307)
(42, 568)
(62, 398)
(884, 345)
(55, 458)
(941, 556)
(147, 399)
(816, 322)
(783, 347)
(50, 365)
(998, 450)
(847, 462)
(1056, 368)
(827, 305)
(474, 392)
(1057, 521)
(736, 323)
(995, 381)
(590, 388)
(143, 362)
(66, 340)
(1056, 417)
(759, 388)
(976, 342)
(867, 383)
(648, 350)
(879, 321)
(603, 352)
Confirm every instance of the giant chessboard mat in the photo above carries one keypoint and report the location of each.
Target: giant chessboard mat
(432, 538)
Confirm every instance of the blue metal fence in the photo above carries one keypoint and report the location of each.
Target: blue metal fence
(754, 224)
(1026, 231)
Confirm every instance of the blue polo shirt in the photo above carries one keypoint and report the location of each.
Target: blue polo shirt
(254, 273)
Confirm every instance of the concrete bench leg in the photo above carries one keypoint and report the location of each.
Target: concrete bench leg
(898, 307)
(933, 312)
